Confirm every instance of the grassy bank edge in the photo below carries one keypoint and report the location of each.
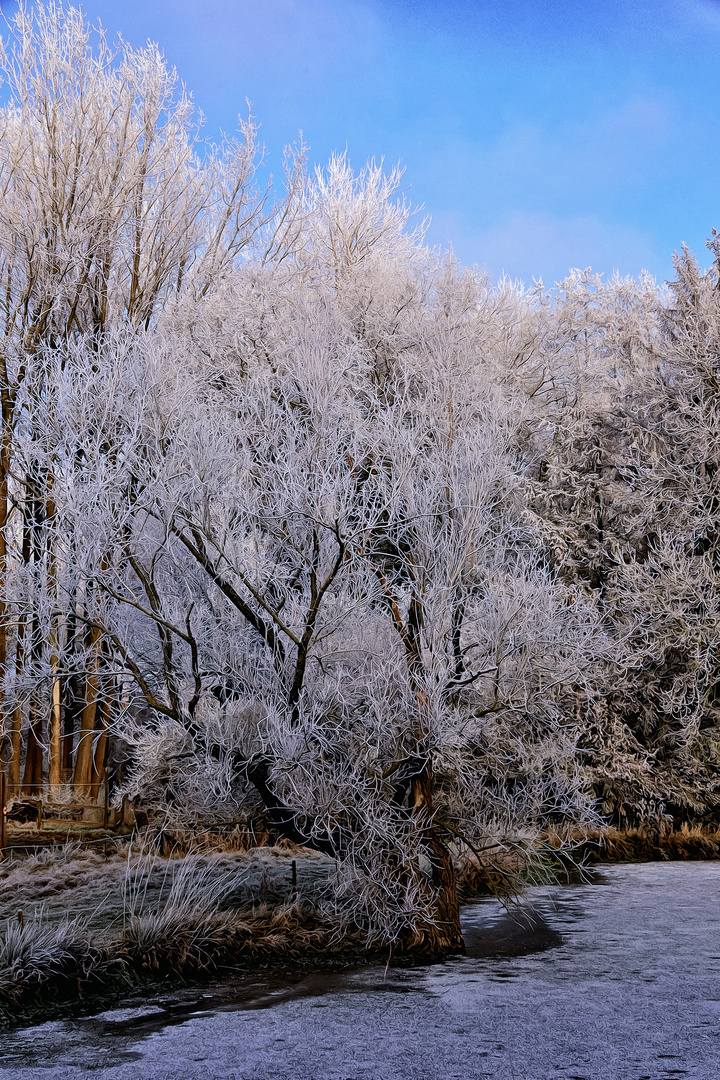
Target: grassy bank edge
(50, 971)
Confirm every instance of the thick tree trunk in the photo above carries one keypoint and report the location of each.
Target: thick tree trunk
(82, 780)
(444, 934)
(99, 765)
(100, 759)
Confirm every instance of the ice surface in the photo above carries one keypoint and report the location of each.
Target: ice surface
(614, 980)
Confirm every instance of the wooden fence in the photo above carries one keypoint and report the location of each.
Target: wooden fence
(48, 812)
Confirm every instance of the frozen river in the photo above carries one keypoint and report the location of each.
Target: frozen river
(614, 980)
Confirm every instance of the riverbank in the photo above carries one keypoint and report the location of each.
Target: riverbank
(648, 845)
(84, 926)
(81, 926)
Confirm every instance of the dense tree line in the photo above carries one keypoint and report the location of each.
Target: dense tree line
(321, 524)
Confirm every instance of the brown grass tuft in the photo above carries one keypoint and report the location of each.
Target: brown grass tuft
(56, 961)
(647, 845)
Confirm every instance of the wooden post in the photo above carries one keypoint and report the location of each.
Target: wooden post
(106, 807)
(2, 814)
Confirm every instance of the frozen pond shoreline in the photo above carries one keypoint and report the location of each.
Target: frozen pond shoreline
(614, 980)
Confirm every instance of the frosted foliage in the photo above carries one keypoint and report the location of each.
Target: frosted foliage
(323, 584)
(628, 488)
(323, 528)
(107, 204)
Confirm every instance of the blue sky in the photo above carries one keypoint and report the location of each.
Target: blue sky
(538, 135)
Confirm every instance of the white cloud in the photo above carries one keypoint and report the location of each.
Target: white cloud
(705, 11)
(551, 160)
(528, 245)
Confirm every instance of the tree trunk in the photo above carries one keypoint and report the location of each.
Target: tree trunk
(20, 647)
(82, 780)
(71, 711)
(55, 755)
(17, 717)
(33, 772)
(55, 759)
(444, 934)
(71, 697)
(99, 762)
(15, 751)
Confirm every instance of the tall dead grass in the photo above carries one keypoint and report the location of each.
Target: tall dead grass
(38, 960)
(647, 845)
(184, 929)
(187, 929)
(178, 919)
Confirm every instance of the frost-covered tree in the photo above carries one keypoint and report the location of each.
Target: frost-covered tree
(327, 527)
(109, 203)
(627, 486)
(300, 532)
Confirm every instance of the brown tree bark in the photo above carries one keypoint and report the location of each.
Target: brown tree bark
(55, 756)
(71, 698)
(100, 760)
(32, 783)
(444, 934)
(82, 780)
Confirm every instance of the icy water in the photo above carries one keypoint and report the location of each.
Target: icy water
(618, 979)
